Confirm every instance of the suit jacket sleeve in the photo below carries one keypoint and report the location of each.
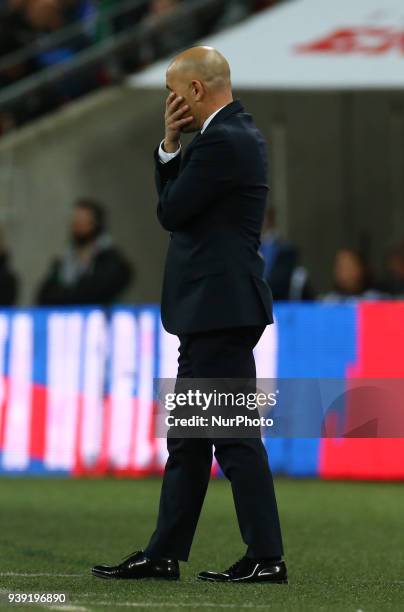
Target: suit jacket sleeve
(167, 171)
(209, 172)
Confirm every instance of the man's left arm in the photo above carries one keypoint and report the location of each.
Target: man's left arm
(208, 174)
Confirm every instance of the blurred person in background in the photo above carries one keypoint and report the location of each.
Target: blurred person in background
(27, 20)
(47, 16)
(163, 38)
(43, 15)
(394, 281)
(234, 12)
(24, 22)
(288, 280)
(15, 33)
(353, 279)
(8, 280)
(162, 7)
(93, 270)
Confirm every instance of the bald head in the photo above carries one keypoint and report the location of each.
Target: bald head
(204, 64)
(201, 75)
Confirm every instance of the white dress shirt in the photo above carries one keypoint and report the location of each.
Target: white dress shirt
(166, 157)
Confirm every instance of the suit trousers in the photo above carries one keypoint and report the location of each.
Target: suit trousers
(226, 353)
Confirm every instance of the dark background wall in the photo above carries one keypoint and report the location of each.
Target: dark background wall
(336, 177)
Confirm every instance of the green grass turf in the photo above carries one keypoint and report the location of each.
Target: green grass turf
(343, 541)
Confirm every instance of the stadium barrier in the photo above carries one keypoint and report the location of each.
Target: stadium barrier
(77, 392)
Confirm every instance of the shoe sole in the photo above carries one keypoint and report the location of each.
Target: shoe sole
(243, 581)
(106, 577)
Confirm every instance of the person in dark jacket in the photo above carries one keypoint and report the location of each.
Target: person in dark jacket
(92, 271)
(211, 198)
(8, 280)
(287, 278)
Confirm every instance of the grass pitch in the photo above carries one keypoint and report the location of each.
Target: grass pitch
(344, 546)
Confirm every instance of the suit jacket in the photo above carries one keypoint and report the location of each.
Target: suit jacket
(212, 200)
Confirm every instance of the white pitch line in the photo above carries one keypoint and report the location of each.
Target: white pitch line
(139, 604)
(69, 608)
(41, 574)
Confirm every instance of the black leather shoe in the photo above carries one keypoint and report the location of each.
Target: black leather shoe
(137, 566)
(250, 570)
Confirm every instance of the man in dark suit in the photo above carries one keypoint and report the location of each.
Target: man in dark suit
(212, 200)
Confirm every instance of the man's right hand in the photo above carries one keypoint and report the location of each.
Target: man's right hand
(175, 121)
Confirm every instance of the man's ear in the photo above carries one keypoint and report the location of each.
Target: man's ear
(197, 90)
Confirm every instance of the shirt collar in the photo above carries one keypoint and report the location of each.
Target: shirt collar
(209, 119)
